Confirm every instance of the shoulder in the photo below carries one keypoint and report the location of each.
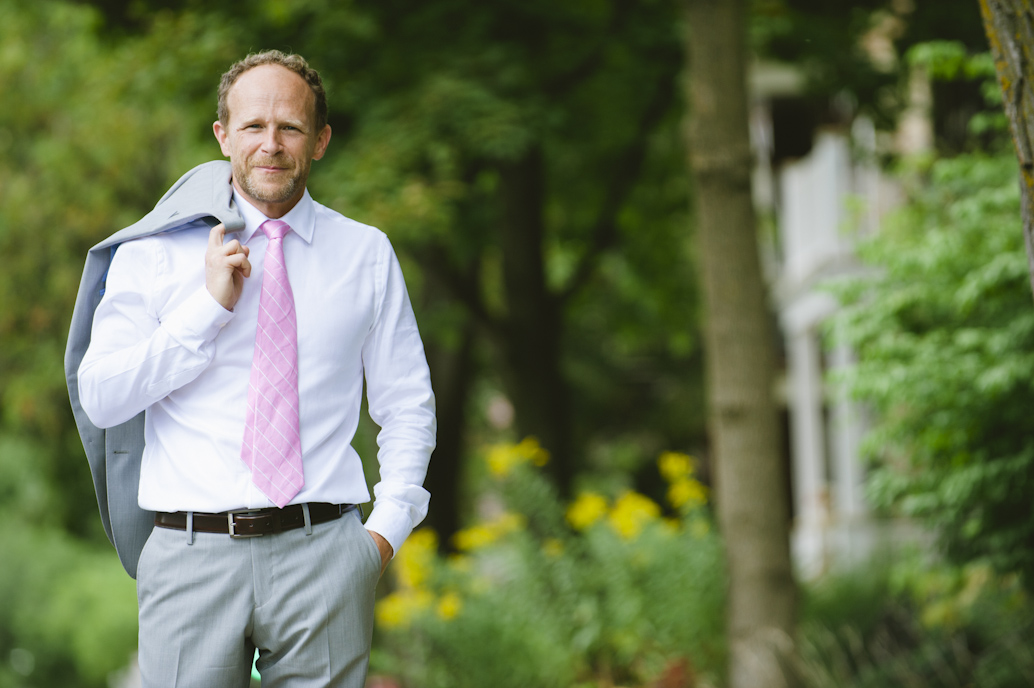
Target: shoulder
(185, 232)
(346, 228)
(140, 247)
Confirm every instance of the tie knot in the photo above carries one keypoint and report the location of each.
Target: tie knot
(275, 229)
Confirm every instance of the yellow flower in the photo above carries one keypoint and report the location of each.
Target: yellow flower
(502, 458)
(398, 609)
(449, 606)
(699, 528)
(415, 559)
(392, 611)
(473, 538)
(631, 512)
(459, 562)
(484, 534)
(588, 508)
(530, 450)
(675, 466)
(940, 613)
(424, 539)
(553, 547)
(686, 492)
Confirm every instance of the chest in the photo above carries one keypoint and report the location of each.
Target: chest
(334, 283)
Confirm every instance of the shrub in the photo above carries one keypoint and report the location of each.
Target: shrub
(943, 328)
(596, 592)
(916, 625)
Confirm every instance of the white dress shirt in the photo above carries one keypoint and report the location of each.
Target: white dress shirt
(162, 344)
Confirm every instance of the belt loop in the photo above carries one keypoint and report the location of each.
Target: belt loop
(190, 527)
(308, 519)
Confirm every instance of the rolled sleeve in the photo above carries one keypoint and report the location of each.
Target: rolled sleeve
(196, 322)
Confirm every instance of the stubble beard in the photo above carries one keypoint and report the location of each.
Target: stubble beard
(267, 193)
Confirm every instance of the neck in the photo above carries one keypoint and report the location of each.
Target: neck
(274, 210)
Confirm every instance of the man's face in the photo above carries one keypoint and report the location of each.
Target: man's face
(270, 137)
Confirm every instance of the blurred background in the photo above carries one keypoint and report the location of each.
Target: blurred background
(528, 161)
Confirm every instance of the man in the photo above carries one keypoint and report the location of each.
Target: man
(247, 356)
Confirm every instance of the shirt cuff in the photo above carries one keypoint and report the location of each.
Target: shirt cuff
(197, 320)
(390, 522)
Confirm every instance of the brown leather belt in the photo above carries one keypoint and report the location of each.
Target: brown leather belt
(245, 523)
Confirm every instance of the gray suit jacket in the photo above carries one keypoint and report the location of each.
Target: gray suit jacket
(202, 193)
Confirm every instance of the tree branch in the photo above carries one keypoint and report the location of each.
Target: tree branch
(629, 164)
(594, 60)
(463, 285)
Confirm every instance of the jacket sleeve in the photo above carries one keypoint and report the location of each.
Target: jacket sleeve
(135, 359)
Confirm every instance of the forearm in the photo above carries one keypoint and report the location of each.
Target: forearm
(117, 383)
(402, 403)
(400, 501)
(136, 356)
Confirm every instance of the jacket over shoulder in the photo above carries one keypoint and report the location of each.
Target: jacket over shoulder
(203, 193)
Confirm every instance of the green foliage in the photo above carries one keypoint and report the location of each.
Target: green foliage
(824, 41)
(613, 594)
(858, 56)
(916, 625)
(944, 331)
(440, 100)
(69, 610)
(949, 61)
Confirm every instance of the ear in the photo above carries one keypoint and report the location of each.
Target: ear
(222, 136)
(322, 140)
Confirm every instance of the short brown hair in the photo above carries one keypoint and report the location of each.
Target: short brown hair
(296, 63)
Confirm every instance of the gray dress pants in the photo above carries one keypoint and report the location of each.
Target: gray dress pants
(304, 600)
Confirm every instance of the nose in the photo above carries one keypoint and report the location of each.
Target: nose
(271, 143)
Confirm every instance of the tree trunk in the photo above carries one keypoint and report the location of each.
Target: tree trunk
(739, 344)
(1009, 25)
(531, 332)
(452, 376)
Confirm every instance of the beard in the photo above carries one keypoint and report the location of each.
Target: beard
(271, 191)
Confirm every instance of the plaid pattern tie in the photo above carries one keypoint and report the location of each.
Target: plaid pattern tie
(272, 441)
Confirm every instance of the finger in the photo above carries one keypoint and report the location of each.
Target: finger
(240, 263)
(236, 260)
(215, 237)
(232, 247)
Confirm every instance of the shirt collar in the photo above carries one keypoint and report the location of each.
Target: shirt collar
(302, 217)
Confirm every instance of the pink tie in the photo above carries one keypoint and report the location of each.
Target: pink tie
(272, 441)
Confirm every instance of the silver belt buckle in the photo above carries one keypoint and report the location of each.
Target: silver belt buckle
(233, 525)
